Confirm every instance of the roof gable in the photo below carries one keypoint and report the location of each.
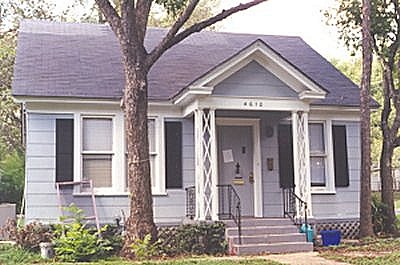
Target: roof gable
(254, 80)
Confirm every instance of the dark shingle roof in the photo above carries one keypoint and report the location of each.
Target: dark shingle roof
(83, 60)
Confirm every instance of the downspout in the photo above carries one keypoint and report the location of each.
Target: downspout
(23, 142)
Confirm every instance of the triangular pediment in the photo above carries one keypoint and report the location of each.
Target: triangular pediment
(254, 80)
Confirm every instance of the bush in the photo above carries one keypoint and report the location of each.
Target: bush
(28, 236)
(378, 214)
(144, 249)
(200, 238)
(76, 242)
(14, 255)
(12, 179)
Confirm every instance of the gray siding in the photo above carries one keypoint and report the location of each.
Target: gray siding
(253, 80)
(345, 203)
(41, 203)
(41, 197)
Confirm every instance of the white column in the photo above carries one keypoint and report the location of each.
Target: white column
(206, 165)
(214, 165)
(301, 159)
(199, 181)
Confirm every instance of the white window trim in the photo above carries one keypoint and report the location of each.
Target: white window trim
(329, 187)
(117, 186)
(159, 163)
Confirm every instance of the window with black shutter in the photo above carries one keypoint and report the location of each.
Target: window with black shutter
(285, 140)
(173, 154)
(64, 150)
(340, 156)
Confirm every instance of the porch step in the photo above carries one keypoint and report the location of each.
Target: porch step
(275, 248)
(262, 230)
(269, 238)
(266, 235)
(260, 222)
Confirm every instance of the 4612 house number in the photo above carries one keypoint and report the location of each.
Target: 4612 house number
(252, 104)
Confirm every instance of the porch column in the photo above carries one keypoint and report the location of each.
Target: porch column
(206, 165)
(301, 159)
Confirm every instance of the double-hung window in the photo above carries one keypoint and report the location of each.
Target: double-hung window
(97, 150)
(318, 155)
(153, 153)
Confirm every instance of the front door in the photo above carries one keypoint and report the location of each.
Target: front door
(235, 157)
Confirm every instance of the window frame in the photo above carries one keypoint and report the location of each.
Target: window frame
(158, 153)
(329, 186)
(114, 176)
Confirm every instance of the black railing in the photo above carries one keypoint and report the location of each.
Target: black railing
(292, 202)
(228, 201)
(229, 206)
(190, 202)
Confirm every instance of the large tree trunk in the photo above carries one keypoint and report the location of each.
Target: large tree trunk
(365, 193)
(387, 187)
(388, 133)
(140, 221)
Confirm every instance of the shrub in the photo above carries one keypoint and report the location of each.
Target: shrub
(14, 255)
(378, 214)
(76, 242)
(143, 249)
(200, 238)
(28, 236)
(12, 179)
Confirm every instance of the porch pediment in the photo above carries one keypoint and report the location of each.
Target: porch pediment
(256, 71)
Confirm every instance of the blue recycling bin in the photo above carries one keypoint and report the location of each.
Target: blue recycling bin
(330, 237)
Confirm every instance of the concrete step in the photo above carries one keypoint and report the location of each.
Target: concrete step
(262, 230)
(269, 238)
(260, 222)
(273, 248)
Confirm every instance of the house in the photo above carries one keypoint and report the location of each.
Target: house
(257, 114)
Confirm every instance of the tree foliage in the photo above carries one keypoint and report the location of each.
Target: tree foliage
(385, 33)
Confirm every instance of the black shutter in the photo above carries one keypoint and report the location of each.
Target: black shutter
(173, 154)
(285, 142)
(64, 150)
(340, 156)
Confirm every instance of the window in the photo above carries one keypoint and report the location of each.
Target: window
(318, 155)
(97, 151)
(151, 125)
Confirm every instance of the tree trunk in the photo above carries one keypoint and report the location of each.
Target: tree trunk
(140, 222)
(365, 192)
(387, 187)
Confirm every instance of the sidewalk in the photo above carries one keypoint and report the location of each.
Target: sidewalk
(306, 258)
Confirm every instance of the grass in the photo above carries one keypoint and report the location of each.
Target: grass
(12, 255)
(368, 252)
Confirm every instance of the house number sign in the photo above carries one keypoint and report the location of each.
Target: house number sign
(250, 103)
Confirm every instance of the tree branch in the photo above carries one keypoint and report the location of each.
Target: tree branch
(172, 39)
(111, 15)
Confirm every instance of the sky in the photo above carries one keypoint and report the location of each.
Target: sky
(302, 18)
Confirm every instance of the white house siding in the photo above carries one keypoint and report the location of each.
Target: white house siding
(41, 196)
(345, 203)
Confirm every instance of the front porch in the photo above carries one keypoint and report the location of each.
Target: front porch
(237, 161)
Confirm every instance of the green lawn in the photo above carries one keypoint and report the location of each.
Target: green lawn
(371, 252)
(10, 255)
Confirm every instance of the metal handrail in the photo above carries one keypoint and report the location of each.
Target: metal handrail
(290, 203)
(190, 202)
(229, 205)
